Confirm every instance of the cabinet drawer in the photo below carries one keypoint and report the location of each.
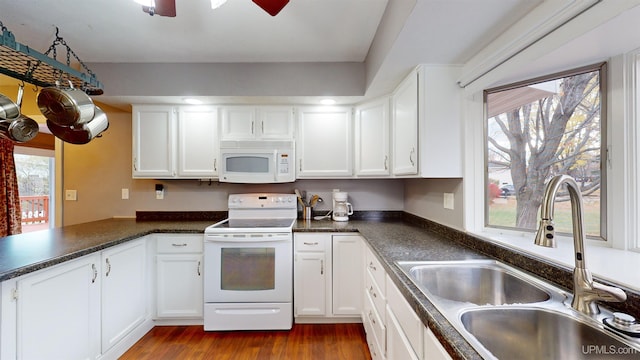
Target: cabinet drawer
(376, 295)
(179, 244)
(304, 242)
(410, 323)
(374, 267)
(374, 322)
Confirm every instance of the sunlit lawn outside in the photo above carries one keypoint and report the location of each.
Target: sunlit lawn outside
(502, 212)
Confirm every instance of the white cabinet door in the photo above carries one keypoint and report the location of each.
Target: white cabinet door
(153, 141)
(275, 122)
(398, 347)
(179, 286)
(124, 289)
(347, 264)
(433, 349)
(324, 142)
(372, 139)
(238, 122)
(197, 142)
(404, 103)
(310, 283)
(58, 312)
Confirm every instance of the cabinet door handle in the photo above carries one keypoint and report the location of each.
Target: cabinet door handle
(95, 273)
(108, 267)
(262, 123)
(321, 267)
(215, 164)
(199, 274)
(300, 164)
(252, 128)
(179, 245)
(386, 162)
(372, 292)
(135, 166)
(311, 244)
(372, 318)
(413, 151)
(372, 267)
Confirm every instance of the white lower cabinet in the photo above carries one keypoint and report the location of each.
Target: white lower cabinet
(394, 331)
(124, 290)
(80, 309)
(326, 276)
(58, 312)
(179, 276)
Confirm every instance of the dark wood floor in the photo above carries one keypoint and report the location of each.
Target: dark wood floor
(304, 341)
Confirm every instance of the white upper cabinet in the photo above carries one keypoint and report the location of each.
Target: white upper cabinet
(372, 139)
(257, 122)
(426, 123)
(324, 146)
(404, 104)
(153, 139)
(440, 121)
(172, 142)
(197, 142)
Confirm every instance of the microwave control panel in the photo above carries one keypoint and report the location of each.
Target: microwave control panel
(283, 163)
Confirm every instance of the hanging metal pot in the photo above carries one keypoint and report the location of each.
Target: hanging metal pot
(8, 109)
(19, 130)
(81, 134)
(66, 106)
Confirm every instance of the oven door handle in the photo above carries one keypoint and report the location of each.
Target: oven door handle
(248, 239)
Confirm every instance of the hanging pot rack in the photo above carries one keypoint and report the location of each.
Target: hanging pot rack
(24, 63)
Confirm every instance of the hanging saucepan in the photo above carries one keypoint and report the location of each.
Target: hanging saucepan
(81, 134)
(66, 106)
(8, 109)
(20, 128)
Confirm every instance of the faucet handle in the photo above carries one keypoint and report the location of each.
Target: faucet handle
(609, 293)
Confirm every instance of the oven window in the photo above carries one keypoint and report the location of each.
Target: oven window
(248, 164)
(246, 269)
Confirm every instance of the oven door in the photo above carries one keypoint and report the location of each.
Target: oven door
(248, 267)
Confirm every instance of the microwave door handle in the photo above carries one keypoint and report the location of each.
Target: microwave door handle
(275, 169)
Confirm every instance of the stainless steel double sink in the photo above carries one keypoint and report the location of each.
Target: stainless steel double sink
(505, 313)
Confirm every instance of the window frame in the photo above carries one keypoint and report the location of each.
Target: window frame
(601, 67)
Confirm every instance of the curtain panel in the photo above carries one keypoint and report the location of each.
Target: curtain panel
(10, 215)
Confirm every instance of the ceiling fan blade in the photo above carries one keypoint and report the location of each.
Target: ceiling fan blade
(273, 7)
(162, 8)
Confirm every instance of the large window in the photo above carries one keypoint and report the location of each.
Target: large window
(540, 128)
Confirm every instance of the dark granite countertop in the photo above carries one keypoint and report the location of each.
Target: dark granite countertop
(401, 238)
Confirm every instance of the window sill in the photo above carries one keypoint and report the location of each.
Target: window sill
(614, 265)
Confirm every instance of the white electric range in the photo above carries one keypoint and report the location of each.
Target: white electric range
(248, 264)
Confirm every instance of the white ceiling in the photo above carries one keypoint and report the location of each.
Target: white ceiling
(305, 31)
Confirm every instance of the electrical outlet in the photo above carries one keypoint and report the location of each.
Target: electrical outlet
(125, 194)
(448, 201)
(71, 195)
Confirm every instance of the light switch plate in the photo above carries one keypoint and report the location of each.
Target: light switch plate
(71, 195)
(448, 201)
(125, 194)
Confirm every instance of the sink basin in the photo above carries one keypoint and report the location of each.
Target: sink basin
(478, 282)
(536, 333)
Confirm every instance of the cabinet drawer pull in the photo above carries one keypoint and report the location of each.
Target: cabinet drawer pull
(311, 244)
(373, 293)
(372, 318)
(321, 267)
(372, 267)
(179, 245)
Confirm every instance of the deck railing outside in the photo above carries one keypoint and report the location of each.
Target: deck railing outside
(35, 209)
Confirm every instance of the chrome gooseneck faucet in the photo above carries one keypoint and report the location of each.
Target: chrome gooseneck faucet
(586, 291)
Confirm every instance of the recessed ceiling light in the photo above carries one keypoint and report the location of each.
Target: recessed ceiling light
(192, 101)
(327, 102)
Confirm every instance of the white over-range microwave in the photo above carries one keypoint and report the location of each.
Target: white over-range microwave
(257, 161)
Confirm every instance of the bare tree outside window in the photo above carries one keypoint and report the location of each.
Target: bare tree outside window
(538, 129)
